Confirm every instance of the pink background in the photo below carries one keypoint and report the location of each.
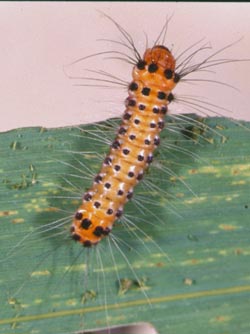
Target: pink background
(39, 38)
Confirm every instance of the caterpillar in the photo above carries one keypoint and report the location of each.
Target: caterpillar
(154, 77)
(131, 152)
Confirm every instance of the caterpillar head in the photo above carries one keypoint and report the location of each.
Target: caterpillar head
(160, 56)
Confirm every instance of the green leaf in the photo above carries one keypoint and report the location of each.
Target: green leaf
(183, 256)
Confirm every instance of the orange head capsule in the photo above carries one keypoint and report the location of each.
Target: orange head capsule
(160, 56)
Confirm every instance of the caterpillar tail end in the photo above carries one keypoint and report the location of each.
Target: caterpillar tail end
(87, 231)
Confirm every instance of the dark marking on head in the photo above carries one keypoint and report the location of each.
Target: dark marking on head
(137, 121)
(168, 74)
(131, 174)
(152, 68)
(147, 142)
(97, 205)
(132, 137)
(141, 64)
(177, 77)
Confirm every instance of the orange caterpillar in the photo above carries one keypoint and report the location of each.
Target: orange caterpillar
(131, 152)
